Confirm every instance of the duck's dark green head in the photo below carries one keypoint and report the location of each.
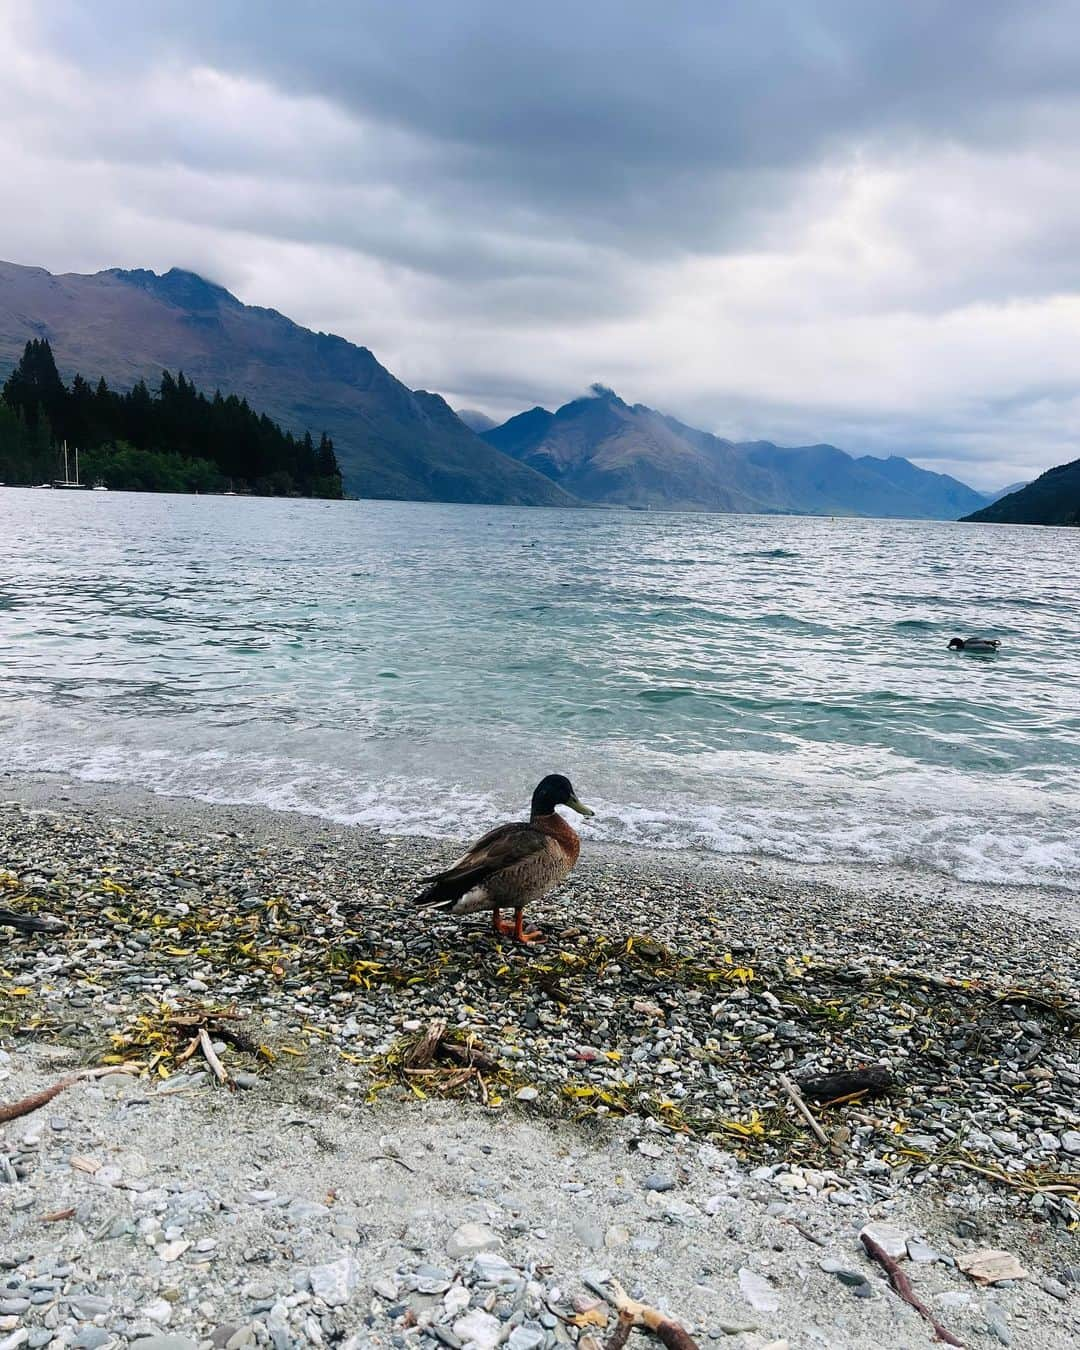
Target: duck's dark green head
(556, 790)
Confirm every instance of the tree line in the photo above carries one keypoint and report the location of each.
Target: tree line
(174, 440)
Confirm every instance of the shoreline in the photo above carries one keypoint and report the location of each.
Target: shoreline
(627, 1085)
(49, 789)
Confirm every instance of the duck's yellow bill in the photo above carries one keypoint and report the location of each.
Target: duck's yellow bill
(580, 807)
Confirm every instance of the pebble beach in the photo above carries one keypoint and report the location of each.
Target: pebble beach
(268, 1155)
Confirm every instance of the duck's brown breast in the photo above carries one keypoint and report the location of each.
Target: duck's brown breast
(562, 833)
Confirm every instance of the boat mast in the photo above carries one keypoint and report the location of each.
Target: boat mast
(65, 463)
(76, 464)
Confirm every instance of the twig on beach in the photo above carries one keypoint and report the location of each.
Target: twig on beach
(188, 1050)
(633, 1314)
(390, 1157)
(211, 1058)
(37, 1100)
(795, 1097)
(902, 1285)
(57, 1216)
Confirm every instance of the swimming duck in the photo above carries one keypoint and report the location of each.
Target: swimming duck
(974, 645)
(514, 864)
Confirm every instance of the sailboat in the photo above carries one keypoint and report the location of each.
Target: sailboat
(68, 482)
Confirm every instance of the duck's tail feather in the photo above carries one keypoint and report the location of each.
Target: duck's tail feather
(447, 888)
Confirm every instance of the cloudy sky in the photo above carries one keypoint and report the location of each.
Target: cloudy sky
(848, 221)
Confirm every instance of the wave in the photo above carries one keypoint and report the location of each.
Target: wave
(973, 831)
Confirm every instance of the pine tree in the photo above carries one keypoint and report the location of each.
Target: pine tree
(34, 388)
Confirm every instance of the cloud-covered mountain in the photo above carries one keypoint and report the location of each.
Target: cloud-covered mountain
(476, 420)
(604, 450)
(1052, 499)
(391, 441)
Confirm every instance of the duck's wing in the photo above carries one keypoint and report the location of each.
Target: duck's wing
(507, 846)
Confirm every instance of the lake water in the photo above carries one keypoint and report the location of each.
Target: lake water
(739, 684)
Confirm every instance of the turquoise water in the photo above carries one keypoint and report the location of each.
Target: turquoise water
(739, 684)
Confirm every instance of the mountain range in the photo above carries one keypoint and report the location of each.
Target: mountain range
(606, 451)
(392, 441)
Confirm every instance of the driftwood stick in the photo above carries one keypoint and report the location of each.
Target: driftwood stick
(633, 1314)
(795, 1097)
(423, 1052)
(872, 1081)
(37, 1100)
(902, 1285)
(220, 1072)
(30, 923)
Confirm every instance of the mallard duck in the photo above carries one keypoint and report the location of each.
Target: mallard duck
(974, 645)
(513, 865)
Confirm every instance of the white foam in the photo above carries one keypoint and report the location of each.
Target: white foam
(974, 829)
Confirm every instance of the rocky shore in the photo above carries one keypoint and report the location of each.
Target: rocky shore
(431, 1137)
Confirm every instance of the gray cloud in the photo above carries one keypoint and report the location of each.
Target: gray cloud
(845, 221)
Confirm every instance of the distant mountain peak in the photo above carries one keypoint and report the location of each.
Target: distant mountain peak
(180, 287)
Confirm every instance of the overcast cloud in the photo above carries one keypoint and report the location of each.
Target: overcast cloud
(854, 222)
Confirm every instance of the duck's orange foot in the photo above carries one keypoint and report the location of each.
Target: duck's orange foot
(521, 934)
(503, 928)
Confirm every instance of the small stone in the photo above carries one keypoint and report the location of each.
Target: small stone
(241, 1339)
(490, 1268)
(1070, 1141)
(526, 1338)
(479, 1328)
(173, 1251)
(87, 1306)
(757, 1291)
(243, 1079)
(172, 1342)
(852, 1278)
(93, 1338)
(891, 1240)
(386, 1288)
(456, 1300)
(471, 1238)
(527, 1094)
(1054, 1287)
(159, 1311)
(588, 1235)
(657, 1181)
(335, 1283)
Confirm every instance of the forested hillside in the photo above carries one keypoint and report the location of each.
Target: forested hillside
(173, 440)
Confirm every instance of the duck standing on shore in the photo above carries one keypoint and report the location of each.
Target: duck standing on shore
(974, 645)
(513, 864)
